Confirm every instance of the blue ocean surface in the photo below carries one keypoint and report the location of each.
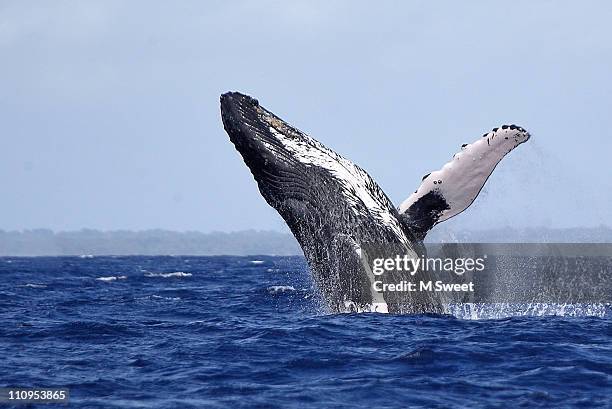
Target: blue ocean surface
(232, 332)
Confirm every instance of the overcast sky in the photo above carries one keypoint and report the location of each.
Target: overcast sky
(109, 113)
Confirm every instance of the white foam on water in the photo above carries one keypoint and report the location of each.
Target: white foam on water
(34, 285)
(257, 261)
(275, 289)
(168, 275)
(159, 297)
(86, 256)
(352, 307)
(470, 311)
(111, 278)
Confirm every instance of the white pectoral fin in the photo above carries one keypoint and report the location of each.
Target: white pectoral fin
(452, 189)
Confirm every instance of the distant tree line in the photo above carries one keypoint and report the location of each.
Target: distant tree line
(41, 242)
(148, 242)
(599, 234)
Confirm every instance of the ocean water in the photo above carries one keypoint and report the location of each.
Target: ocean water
(231, 332)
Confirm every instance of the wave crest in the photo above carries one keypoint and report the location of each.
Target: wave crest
(168, 275)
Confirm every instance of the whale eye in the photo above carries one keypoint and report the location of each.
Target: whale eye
(439, 182)
(435, 182)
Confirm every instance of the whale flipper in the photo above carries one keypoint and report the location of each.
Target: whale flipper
(332, 206)
(449, 191)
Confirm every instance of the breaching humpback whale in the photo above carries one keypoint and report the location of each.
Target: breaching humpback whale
(336, 210)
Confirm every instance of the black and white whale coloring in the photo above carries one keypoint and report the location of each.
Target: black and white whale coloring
(336, 210)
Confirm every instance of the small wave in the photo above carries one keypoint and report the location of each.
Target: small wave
(257, 261)
(158, 297)
(88, 330)
(86, 256)
(419, 355)
(168, 275)
(34, 285)
(275, 289)
(111, 278)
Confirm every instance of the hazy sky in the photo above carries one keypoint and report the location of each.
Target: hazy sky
(109, 114)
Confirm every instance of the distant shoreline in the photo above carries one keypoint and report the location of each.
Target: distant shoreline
(44, 242)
